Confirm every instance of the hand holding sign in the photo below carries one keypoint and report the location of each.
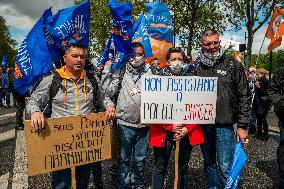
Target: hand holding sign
(37, 120)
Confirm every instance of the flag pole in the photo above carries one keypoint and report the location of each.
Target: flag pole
(89, 36)
(259, 51)
(270, 65)
(176, 164)
(73, 176)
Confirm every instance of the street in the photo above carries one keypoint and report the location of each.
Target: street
(259, 172)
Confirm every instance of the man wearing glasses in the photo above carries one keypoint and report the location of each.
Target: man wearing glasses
(233, 106)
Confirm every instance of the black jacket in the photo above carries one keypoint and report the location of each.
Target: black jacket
(261, 102)
(233, 95)
(276, 92)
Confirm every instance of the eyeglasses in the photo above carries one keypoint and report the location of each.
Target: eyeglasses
(207, 44)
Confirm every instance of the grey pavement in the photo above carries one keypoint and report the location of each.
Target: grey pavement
(259, 172)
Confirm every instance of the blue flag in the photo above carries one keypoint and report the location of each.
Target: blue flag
(4, 61)
(140, 29)
(33, 58)
(160, 22)
(70, 25)
(238, 163)
(119, 45)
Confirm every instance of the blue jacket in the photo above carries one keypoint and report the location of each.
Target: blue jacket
(5, 81)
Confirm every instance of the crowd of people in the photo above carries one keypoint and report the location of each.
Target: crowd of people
(78, 88)
(6, 91)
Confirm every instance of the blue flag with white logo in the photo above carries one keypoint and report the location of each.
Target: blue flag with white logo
(70, 25)
(33, 58)
(140, 29)
(159, 20)
(119, 45)
(238, 163)
(4, 61)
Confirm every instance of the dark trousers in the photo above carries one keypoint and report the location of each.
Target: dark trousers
(1, 96)
(20, 107)
(162, 156)
(262, 125)
(62, 179)
(279, 154)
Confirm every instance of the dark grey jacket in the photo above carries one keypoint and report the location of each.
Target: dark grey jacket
(276, 92)
(233, 96)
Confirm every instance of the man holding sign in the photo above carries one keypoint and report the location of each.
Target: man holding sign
(70, 90)
(233, 106)
(132, 134)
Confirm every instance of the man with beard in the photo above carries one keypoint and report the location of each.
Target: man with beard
(70, 90)
(132, 134)
(233, 106)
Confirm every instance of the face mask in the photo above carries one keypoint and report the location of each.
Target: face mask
(137, 61)
(213, 56)
(176, 66)
(106, 69)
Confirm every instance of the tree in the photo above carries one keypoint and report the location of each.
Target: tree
(101, 23)
(263, 60)
(191, 17)
(7, 44)
(253, 14)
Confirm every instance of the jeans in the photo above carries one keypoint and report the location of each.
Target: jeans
(217, 150)
(7, 95)
(97, 175)
(281, 174)
(162, 156)
(62, 179)
(252, 123)
(114, 147)
(131, 139)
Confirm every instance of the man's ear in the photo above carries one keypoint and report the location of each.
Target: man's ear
(64, 58)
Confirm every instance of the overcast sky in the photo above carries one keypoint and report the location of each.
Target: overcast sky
(21, 15)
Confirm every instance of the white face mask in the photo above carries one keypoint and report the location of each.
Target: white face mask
(137, 61)
(176, 66)
(213, 55)
(106, 69)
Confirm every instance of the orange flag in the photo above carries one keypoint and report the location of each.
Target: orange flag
(238, 58)
(275, 28)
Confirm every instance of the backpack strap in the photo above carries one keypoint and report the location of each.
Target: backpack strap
(56, 84)
(96, 93)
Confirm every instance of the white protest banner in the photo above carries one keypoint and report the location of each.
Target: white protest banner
(178, 99)
(67, 142)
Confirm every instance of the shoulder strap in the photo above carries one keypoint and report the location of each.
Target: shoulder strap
(56, 84)
(94, 82)
(121, 76)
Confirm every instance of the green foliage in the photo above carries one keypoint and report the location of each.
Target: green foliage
(263, 60)
(101, 23)
(7, 44)
(251, 14)
(191, 17)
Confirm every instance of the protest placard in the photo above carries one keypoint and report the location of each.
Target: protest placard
(67, 142)
(178, 99)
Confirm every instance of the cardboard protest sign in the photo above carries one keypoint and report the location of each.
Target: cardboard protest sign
(178, 99)
(67, 142)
